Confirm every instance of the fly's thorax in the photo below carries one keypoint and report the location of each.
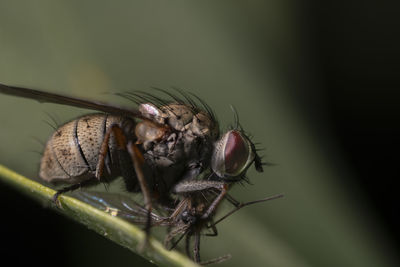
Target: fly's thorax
(203, 125)
(178, 115)
(182, 118)
(191, 135)
(181, 149)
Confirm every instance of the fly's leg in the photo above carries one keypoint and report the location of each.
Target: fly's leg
(188, 186)
(174, 216)
(217, 260)
(196, 251)
(121, 147)
(213, 229)
(196, 247)
(233, 201)
(238, 205)
(187, 245)
(179, 208)
(217, 200)
(131, 161)
(70, 188)
(200, 185)
(64, 190)
(138, 162)
(180, 229)
(170, 239)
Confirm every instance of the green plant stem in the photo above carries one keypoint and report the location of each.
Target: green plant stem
(113, 228)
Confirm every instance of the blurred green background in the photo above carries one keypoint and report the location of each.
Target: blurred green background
(251, 54)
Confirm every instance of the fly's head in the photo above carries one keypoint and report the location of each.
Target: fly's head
(233, 154)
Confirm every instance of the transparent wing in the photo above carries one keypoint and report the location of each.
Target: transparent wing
(120, 206)
(46, 97)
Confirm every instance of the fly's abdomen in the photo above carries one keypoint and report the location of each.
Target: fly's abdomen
(72, 152)
(90, 131)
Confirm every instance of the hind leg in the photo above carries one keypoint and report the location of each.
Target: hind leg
(70, 188)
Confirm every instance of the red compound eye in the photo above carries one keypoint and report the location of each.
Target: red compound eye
(232, 155)
(236, 153)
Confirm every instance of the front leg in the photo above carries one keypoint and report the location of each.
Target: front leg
(187, 186)
(200, 185)
(213, 229)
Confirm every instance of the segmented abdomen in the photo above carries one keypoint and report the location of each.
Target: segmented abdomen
(72, 152)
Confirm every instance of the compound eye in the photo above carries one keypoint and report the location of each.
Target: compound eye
(236, 153)
(232, 155)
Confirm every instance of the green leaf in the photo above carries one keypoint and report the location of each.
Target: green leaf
(113, 228)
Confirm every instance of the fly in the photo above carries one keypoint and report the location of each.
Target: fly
(170, 149)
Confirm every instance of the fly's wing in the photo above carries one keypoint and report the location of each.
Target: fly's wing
(46, 97)
(120, 206)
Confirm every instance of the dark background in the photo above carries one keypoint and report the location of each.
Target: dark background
(357, 55)
(352, 51)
